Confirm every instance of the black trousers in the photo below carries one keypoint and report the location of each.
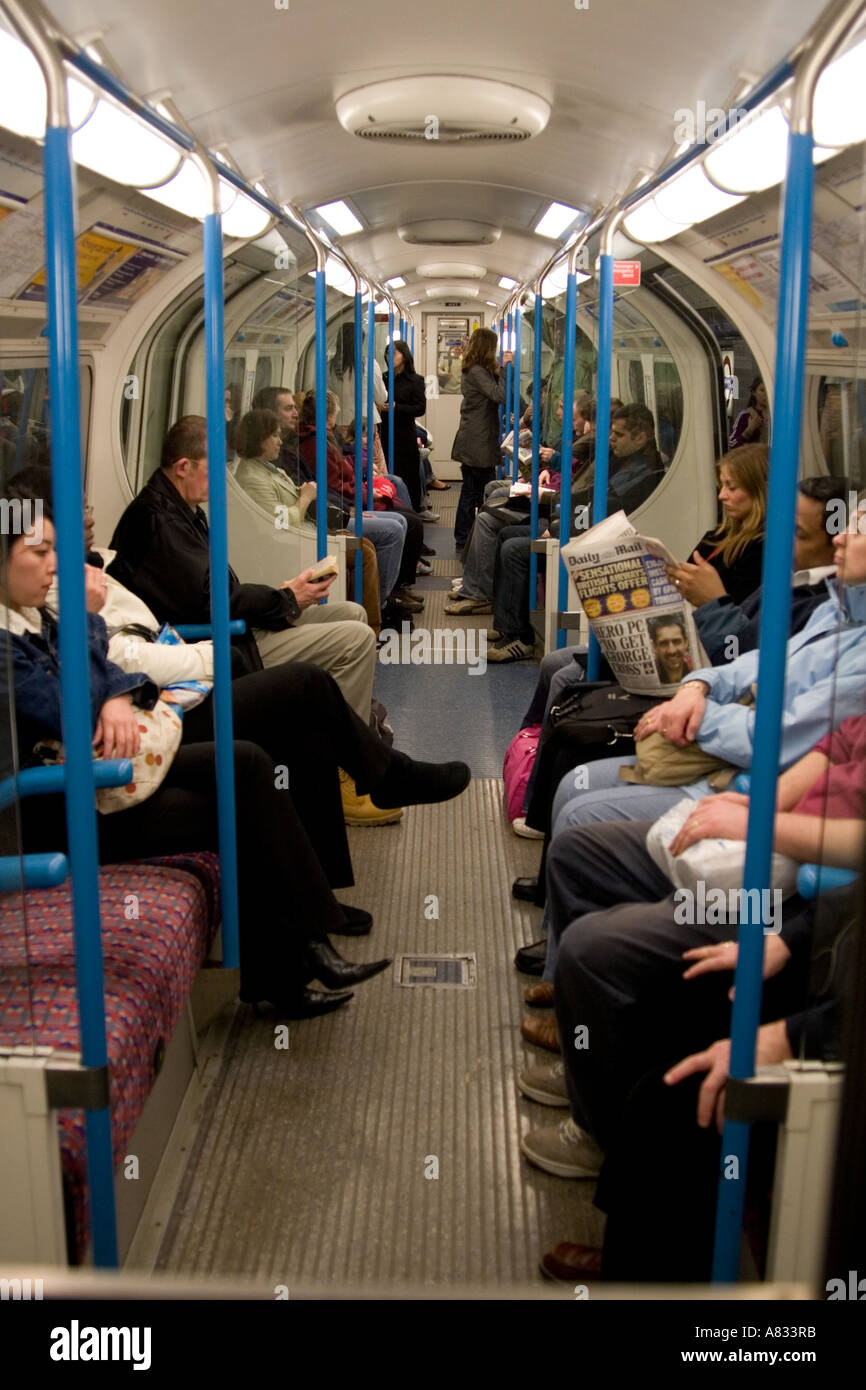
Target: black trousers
(285, 900)
(471, 499)
(411, 547)
(297, 713)
(619, 973)
(295, 717)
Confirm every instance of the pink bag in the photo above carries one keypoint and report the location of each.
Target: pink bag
(519, 757)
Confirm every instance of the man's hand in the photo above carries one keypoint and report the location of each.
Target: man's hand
(95, 588)
(544, 477)
(697, 582)
(117, 729)
(772, 1046)
(723, 956)
(546, 454)
(677, 720)
(306, 593)
(713, 819)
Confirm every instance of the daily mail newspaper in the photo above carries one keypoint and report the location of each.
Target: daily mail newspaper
(643, 626)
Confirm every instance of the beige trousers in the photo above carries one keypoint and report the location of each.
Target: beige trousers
(335, 636)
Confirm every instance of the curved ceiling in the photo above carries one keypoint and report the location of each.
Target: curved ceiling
(262, 81)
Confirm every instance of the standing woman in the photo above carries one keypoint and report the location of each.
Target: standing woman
(752, 424)
(476, 444)
(409, 402)
(341, 376)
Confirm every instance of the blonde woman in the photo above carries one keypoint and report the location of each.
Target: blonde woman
(728, 560)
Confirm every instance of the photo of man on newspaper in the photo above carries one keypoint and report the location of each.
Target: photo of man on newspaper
(671, 646)
(642, 623)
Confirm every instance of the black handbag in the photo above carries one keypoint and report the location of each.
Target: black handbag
(597, 721)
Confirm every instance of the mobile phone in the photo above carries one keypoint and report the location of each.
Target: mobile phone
(323, 569)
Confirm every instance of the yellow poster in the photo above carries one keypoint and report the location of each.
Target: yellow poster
(97, 255)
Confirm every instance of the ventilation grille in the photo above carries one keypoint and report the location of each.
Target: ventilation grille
(448, 134)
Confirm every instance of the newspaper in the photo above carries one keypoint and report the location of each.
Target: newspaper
(643, 626)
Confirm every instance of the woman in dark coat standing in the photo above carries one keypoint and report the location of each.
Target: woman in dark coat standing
(476, 444)
(410, 401)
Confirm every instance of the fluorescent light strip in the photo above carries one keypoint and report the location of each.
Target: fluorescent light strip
(340, 217)
(556, 220)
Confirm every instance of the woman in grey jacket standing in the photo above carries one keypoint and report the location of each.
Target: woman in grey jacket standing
(476, 444)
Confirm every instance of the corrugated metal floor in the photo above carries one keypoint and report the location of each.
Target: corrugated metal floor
(309, 1163)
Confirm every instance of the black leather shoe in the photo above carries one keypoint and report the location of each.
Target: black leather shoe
(524, 889)
(309, 1003)
(408, 782)
(427, 550)
(530, 959)
(337, 973)
(356, 921)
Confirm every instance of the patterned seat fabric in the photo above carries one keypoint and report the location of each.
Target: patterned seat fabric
(159, 918)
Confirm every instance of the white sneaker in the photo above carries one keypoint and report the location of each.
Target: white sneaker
(519, 826)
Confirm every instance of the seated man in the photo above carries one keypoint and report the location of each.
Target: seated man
(477, 588)
(624, 938)
(162, 556)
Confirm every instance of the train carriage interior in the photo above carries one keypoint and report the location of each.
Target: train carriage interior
(433, 294)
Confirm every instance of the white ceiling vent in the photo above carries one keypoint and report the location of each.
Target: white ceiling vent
(441, 270)
(443, 110)
(449, 231)
(452, 291)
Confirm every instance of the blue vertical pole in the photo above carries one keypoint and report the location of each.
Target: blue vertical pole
(371, 359)
(501, 352)
(412, 338)
(567, 439)
(602, 418)
(509, 379)
(359, 452)
(390, 390)
(60, 262)
(775, 619)
(536, 441)
(518, 327)
(321, 416)
(219, 584)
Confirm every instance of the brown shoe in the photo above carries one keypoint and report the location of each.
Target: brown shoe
(541, 1032)
(541, 995)
(570, 1264)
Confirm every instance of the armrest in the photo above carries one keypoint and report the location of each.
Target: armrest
(201, 632)
(32, 871)
(47, 781)
(814, 879)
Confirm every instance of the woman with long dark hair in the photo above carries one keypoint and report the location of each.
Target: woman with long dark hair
(409, 402)
(752, 424)
(341, 376)
(476, 444)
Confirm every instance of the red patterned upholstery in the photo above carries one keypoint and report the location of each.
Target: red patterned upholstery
(159, 918)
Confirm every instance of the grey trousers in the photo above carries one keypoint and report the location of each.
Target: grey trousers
(480, 562)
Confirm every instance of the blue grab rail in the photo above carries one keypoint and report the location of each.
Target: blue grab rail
(200, 632)
(371, 364)
(321, 360)
(390, 390)
(32, 871)
(515, 408)
(602, 420)
(536, 440)
(219, 587)
(359, 440)
(775, 622)
(567, 441)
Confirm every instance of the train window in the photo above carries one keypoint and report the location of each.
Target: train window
(841, 416)
(25, 415)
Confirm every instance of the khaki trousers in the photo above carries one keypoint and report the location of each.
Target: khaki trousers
(335, 636)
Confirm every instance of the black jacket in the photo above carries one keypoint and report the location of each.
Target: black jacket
(476, 442)
(741, 578)
(410, 401)
(163, 556)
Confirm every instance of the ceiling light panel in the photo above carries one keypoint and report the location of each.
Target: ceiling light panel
(557, 220)
(438, 270)
(340, 217)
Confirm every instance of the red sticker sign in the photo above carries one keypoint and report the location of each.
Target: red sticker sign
(626, 272)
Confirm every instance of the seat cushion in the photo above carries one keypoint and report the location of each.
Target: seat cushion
(159, 918)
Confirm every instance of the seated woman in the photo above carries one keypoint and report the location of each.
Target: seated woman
(728, 560)
(259, 441)
(286, 904)
(380, 467)
(397, 553)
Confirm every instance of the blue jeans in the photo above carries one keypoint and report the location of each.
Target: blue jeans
(479, 565)
(387, 532)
